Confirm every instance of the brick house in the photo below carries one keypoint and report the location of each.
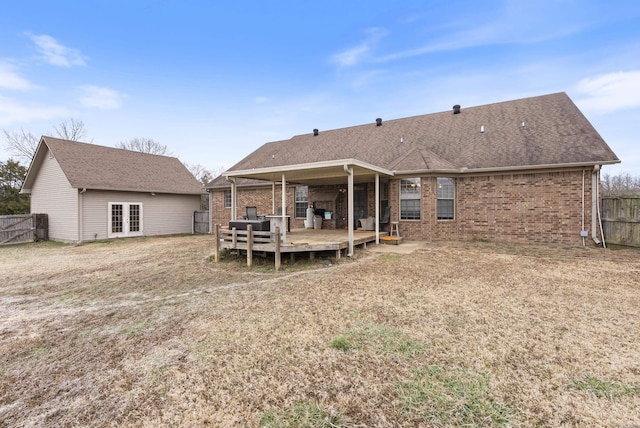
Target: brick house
(525, 170)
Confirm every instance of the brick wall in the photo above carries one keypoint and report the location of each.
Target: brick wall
(528, 207)
(525, 207)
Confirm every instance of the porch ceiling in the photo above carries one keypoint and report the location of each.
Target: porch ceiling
(322, 173)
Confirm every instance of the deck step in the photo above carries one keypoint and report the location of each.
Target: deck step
(391, 240)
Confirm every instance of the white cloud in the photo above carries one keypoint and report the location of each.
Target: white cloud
(606, 93)
(261, 100)
(13, 111)
(353, 56)
(9, 79)
(99, 97)
(55, 53)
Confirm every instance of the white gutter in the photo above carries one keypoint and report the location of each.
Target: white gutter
(465, 170)
(306, 166)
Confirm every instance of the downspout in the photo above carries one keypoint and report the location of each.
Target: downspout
(604, 244)
(211, 210)
(273, 197)
(284, 205)
(234, 211)
(595, 207)
(377, 208)
(582, 224)
(81, 215)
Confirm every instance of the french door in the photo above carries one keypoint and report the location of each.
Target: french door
(125, 219)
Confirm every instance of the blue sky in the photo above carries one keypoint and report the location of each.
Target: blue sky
(215, 80)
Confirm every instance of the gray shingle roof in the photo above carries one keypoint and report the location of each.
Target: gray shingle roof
(555, 133)
(106, 168)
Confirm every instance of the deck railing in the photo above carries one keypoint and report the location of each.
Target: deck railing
(247, 240)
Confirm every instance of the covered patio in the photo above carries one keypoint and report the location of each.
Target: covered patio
(344, 171)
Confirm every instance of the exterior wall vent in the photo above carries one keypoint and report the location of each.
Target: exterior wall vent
(315, 132)
(456, 109)
(378, 122)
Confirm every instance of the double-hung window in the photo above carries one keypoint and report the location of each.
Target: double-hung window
(446, 198)
(410, 199)
(227, 198)
(302, 201)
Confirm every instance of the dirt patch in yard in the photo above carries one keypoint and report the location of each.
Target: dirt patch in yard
(149, 332)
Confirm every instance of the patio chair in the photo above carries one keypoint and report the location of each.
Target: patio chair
(386, 215)
(252, 213)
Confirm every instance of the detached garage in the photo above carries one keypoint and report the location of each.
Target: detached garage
(94, 192)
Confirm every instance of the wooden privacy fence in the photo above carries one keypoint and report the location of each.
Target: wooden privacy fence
(621, 220)
(201, 222)
(249, 241)
(23, 228)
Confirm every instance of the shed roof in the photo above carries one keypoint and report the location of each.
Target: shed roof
(536, 132)
(92, 166)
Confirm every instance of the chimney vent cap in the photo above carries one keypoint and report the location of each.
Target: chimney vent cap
(315, 132)
(378, 122)
(456, 109)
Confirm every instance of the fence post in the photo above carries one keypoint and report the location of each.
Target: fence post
(216, 247)
(249, 245)
(277, 255)
(234, 238)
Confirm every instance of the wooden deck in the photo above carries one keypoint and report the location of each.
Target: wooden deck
(301, 241)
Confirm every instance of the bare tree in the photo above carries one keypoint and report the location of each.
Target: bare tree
(21, 144)
(72, 130)
(144, 145)
(202, 174)
(620, 184)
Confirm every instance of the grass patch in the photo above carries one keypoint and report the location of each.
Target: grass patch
(452, 397)
(39, 351)
(341, 343)
(303, 415)
(380, 339)
(605, 388)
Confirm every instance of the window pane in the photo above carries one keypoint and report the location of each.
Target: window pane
(227, 198)
(445, 209)
(410, 186)
(116, 218)
(445, 188)
(134, 218)
(410, 209)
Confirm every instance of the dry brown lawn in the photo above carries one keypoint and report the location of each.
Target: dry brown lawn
(150, 332)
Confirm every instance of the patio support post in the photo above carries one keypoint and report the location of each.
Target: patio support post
(350, 216)
(377, 208)
(273, 197)
(284, 200)
(234, 198)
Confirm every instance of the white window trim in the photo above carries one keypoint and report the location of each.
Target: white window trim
(418, 198)
(125, 219)
(453, 198)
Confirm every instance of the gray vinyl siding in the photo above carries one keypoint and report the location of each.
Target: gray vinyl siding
(162, 214)
(53, 195)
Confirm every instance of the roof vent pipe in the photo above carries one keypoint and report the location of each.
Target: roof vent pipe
(456, 109)
(315, 132)
(378, 122)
